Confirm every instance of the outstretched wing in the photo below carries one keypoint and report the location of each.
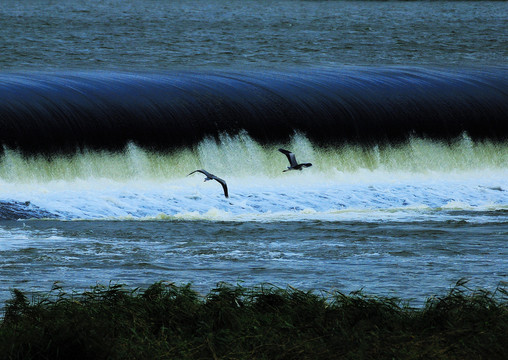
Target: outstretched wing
(202, 172)
(291, 157)
(224, 185)
(212, 176)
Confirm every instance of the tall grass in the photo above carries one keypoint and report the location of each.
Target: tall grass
(166, 321)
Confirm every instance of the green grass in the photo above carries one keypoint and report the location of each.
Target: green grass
(265, 322)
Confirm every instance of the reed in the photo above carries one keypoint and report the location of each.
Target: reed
(166, 321)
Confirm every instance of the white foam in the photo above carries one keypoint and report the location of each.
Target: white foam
(344, 184)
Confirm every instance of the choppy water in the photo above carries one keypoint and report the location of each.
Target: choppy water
(405, 219)
(411, 259)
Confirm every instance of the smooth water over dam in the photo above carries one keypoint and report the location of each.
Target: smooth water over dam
(67, 111)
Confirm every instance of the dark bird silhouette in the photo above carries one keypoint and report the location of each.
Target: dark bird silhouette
(292, 161)
(213, 177)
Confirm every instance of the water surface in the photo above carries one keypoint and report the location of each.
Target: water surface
(403, 210)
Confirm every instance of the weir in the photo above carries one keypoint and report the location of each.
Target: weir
(61, 112)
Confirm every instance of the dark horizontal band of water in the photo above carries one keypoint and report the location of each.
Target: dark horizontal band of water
(47, 112)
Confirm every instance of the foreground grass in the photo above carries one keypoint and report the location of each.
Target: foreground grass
(233, 322)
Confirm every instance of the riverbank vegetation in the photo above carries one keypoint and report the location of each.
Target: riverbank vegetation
(166, 321)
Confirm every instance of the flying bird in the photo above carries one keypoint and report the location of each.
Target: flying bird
(292, 161)
(213, 177)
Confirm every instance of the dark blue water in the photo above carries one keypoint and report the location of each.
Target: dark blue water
(66, 111)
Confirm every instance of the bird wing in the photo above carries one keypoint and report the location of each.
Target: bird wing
(291, 157)
(212, 176)
(224, 185)
(202, 172)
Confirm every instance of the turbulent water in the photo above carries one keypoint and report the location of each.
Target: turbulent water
(402, 108)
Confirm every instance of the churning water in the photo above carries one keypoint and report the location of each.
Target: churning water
(105, 109)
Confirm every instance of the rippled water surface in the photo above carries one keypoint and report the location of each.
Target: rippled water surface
(188, 33)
